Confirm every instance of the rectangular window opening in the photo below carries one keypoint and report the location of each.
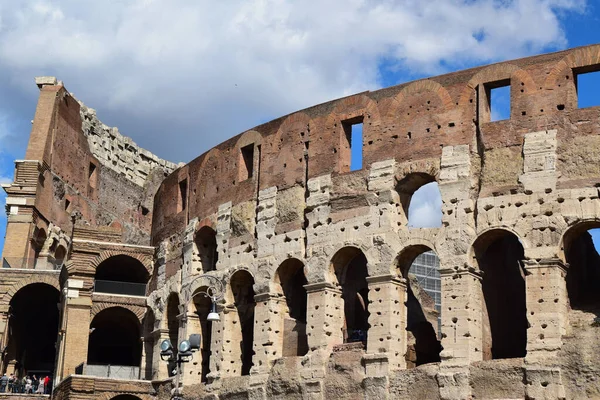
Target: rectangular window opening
(248, 161)
(92, 175)
(587, 82)
(498, 96)
(354, 136)
(182, 199)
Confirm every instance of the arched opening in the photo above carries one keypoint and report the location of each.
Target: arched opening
(115, 339)
(583, 273)
(202, 306)
(421, 200)
(243, 296)
(60, 255)
(32, 330)
(121, 274)
(125, 397)
(291, 279)
(37, 244)
(350, 270)
(420, 266)
(173, 325)
(499, 254)
(205, 243)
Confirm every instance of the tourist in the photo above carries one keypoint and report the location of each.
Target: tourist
(3, 383)
(28, 386)
(40, 388)
(11, 383)
(47, 385)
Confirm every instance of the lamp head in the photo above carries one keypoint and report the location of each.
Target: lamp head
(166, 350)
(213, 315)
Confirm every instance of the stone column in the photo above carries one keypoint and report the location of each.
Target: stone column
(462, 330)
(268, 331)
(193, 369)
(325, 316)
(226, 339)
(547, 307)
(386, 345)
(160, 368)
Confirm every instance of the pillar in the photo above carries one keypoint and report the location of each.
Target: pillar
(547, 308)
(325, 316)
(226, 339)
(160, 368)
(386, 343)
(268, 331)
(76, 330)
(462, 330)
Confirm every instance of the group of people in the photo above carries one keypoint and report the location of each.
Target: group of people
(27, 384)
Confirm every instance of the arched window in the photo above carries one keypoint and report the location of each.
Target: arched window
(499, 254)
(291, 279)
(60, 255)
(241, 285)
(420, 266)
(37, 244)
(350, 269)
(583, 274)
(33, 329)
(421, 200)
(115, 339)
(121, 274)
(205, 254)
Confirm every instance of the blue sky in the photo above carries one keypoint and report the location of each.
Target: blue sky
(182, 76)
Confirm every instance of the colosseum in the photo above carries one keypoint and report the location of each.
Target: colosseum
(323, 288)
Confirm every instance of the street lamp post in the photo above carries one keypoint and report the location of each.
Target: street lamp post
(215, 290)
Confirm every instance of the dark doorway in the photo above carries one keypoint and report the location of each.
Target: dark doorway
(243, 294)
(33, 329)
(350, 267)
(206, 248)
(499, 255)
(583, 274)
(115, 338)
(291, 278)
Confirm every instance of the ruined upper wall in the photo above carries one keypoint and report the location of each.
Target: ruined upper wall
(71, 173)
(119, 152)
(410, 123)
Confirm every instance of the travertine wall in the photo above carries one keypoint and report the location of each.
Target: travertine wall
(525, 177)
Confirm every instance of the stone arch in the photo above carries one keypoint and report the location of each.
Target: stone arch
(352, 110)
(49, 279)
(423, 304)
(105, 255)
(410, 183)
(426, 85)
(349, 271)
(247, 138)
(576, 58)
(139, 311)
(499, 254)
(289, 280)
(227, 278)
(491, 232)
(125, 396)
(213, 153)
(496, 72)
(114, 337)
(205, 249)
(577, 250)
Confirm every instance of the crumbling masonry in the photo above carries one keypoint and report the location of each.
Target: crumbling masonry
(315, 258)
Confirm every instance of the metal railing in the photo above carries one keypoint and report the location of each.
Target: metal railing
(117, 287)
(112, 371)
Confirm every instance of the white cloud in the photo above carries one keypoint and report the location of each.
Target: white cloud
(425, 208)
(199, 72)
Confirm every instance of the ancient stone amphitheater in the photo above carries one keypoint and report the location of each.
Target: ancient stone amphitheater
(315, 252)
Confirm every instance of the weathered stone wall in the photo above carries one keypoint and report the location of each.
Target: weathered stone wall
(528, 177)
